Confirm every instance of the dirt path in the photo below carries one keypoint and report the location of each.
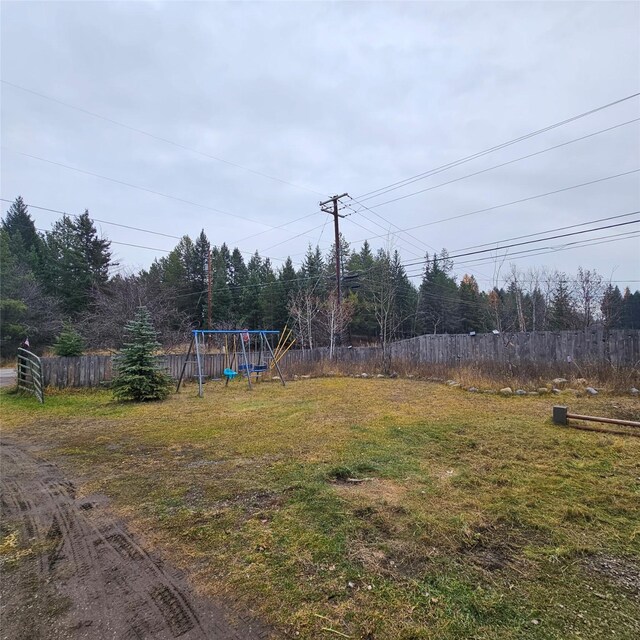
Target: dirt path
(7, 377)
(86, 576)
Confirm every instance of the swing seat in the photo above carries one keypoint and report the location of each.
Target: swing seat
(230, 374)
(259, 368)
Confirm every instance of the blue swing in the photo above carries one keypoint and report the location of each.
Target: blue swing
(229, 374)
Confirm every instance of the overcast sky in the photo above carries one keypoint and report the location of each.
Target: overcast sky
(326, 98)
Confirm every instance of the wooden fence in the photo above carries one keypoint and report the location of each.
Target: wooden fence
(617, 347)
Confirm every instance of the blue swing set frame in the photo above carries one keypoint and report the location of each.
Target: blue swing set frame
(247, 368)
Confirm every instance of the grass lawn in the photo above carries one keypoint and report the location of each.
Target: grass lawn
(476, 517)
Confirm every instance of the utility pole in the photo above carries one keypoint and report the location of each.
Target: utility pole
(209, 289)
(336, 215)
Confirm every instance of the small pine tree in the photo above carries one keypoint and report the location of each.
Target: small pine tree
(69, 343)
(138, 377)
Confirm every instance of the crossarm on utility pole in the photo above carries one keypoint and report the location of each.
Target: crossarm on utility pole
(336, 227)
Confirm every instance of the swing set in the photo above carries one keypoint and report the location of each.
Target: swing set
(240, 359)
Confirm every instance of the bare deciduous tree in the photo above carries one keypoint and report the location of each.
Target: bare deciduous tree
(335, 317)
(383, 297)
(111, 308)
(515, 279)
(589, 290)
(304, 308)
(42, 319)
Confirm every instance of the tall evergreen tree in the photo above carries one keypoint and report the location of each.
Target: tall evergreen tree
(470, 305)
(13, 310)
(330, 263)
(563, 313)
(406, 298)
(222, 301)
(363, 323)
(25, 308)
(251, 310)
(538, 310)
(631, 309)
(66, 273)
(287, 285)
(138, 377)
(237, 280)
(438, 296)
(96, 250)
(75, 260)
(611, 307)
(24, 241)
(268, 296)
(197, 268)
(313, 272)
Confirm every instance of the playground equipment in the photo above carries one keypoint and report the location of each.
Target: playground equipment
(254, 360)
(285, 342)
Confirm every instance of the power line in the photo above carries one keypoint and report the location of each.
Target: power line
(387, 221)
(571, 226)
(556, 249)
(476, 173)
(507, 204)
(281, 226)
(159, 138)
(577, 245)
(498, 248)
(497, 166)
(126, 244)
(133, 186)
(569, 245)
(370, 231)
(72, 215)
(397, 239)
(304, 233)
(526, 242)
(114, 224)
(328, 277)
(503, 145)
(264, 285)
(515, 256)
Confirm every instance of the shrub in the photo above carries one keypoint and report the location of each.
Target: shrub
(69, 343)
(138, 377)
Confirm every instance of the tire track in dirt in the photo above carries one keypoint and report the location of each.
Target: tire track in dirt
(113, 588)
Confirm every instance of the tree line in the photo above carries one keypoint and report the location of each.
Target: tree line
(66, 277)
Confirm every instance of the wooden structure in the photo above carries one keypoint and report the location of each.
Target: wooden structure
(562, 416)
(616, 347)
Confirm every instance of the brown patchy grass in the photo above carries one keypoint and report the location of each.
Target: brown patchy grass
(476, 517)
(488, 374)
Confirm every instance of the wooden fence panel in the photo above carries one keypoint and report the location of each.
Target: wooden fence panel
(619, 347)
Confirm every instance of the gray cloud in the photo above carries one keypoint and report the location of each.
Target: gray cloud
(330, 96)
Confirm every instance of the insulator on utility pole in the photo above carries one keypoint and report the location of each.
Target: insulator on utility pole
(334, 212)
